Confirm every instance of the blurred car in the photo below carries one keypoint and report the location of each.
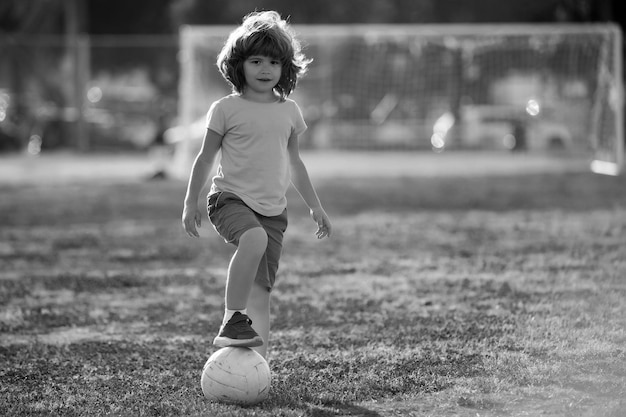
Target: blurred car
(9, 130)
(510, 127)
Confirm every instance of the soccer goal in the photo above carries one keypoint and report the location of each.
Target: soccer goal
(532, 88)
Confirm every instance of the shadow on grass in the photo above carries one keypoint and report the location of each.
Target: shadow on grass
(341, 409)
(572, 192)
(341, 196)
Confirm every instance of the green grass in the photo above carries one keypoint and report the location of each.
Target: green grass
(490, 296)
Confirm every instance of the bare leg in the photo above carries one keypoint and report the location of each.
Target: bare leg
(259, 313)
(243, 267)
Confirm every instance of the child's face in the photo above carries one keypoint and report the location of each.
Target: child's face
(262, 73)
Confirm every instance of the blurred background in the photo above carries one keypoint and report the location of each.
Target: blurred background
(99, 75)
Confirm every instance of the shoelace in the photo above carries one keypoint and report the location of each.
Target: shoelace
(239, 320)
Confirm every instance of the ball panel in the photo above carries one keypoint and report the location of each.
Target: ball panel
(236, 375)
(263, 379)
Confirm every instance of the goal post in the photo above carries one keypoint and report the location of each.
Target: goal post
(528, 87)
(608, 155)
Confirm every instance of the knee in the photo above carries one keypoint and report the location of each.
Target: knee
(254, 240)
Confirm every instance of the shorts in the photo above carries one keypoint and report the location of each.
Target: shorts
(231, 217)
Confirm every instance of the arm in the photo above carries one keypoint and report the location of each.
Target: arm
(192, 217)
(300, 179)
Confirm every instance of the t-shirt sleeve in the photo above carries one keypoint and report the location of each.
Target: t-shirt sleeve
(215, 119)
(299, 125)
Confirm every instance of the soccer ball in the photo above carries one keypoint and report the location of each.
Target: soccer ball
(236, 375)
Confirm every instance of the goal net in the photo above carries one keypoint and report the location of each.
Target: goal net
(532, 88)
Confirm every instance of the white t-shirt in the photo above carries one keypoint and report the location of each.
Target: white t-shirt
(254, 162)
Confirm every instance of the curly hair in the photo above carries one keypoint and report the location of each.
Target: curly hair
(265, 34)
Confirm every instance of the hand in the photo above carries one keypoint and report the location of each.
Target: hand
(192, 219)
(324, 228)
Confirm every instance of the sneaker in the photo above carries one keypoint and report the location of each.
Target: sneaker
(238, 332)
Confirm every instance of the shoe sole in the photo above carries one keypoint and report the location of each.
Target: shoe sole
(228, 342)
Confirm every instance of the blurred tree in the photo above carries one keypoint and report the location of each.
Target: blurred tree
(31, 16)
(492, 11)
(320, 12)
(96, 16)
(583, 10)
(165, 16)
(129, 17)
(395, 11)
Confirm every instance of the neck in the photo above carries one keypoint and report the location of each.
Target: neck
(264, 97)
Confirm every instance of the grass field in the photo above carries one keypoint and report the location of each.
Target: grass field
(443, 292)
